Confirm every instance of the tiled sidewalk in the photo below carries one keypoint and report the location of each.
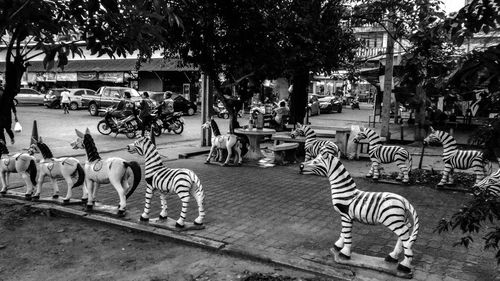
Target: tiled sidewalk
(277, 212)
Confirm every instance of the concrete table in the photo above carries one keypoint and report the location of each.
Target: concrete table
(254, 135)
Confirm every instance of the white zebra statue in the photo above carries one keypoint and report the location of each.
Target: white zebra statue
(491, 184)
(453, 158)
(382, 154)
(312, 145)
(184, 182)
(221, 142)
(389, 209)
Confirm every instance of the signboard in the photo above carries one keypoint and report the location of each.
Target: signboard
(186, 90)
(115, 77)
(46, 77)
(66, 76)
(86, 76)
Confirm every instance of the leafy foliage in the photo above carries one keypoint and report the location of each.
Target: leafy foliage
(483, 211)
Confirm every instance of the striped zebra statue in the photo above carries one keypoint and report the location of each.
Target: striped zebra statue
(454, 158)
(385, 154)
(312, 145)
(389, 209)
(159, 177)
(490, 184)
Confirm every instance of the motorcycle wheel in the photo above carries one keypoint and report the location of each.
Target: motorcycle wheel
(103, 128)
(180, 128)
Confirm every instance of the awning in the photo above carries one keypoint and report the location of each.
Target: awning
(113, 65)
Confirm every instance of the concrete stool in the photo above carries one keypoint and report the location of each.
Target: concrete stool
(284, 153)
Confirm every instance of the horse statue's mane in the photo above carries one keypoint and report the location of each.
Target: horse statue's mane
(88, 143)
(3, 149)
(45, 150)
(215, 127)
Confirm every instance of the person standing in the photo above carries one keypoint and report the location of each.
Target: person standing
(6, 121)
(65, 100)
(145, 113)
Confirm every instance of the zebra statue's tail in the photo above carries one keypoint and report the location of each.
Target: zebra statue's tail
(416, 224)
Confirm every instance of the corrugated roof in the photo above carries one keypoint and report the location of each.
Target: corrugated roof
(109, 65)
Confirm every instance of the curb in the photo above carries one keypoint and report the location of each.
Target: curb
(295, 263)
(200, 151)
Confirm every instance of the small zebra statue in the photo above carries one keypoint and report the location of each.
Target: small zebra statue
(490, 183)
(389, 209)
(313, 146)
(454, 158)
(385, 154)
(184, 182)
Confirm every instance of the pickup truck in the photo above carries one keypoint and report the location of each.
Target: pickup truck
(107, 96)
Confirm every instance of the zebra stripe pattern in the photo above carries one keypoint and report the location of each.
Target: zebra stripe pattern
(312, 145)
(385, 154)
(184, 182)
(389, 209)
(454, 158)
(490, 184)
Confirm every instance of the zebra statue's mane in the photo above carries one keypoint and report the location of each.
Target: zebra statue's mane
(90, 148)
(372, 136)
(44, 150)
(215, 128)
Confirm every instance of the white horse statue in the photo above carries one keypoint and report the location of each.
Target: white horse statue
(22, 163)
(54, 168)
(111, 170)
(221, 142)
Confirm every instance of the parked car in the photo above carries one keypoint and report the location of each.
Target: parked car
(181, 104)
(28, 96)
(330, 103)
(53, 98)
(107, 96)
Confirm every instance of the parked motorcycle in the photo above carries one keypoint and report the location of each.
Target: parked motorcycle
(173, 122)
(113, 124)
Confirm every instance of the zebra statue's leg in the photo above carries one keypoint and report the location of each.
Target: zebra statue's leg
(147, 204)
(344, 243)
(185, 203)
(394, 255)
(212, 150)
(164, 207)
(450, 180)
(376, 170)
(370, 173)
(446, 171)
(404, 239)
(403, 170)
(3, 178)
(55, 189)
(237, 149)
(201, 210)
(479, 169)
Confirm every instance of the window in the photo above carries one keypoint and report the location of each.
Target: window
(78, 93)
(90, 92)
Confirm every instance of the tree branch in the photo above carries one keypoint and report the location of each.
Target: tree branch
(14, 14)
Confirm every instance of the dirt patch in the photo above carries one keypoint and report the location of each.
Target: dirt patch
(35, 245)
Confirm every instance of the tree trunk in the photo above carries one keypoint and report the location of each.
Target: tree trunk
(420, 114)
(298, 97)
(13, 73)
(386, 109)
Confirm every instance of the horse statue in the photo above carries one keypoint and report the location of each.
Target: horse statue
(221, 142)
(64, 167)
(112, 170)
(22, 163)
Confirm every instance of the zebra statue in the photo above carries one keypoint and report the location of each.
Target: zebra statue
(454, 158)
(385, 154)
(490, 183)
(159, 177)
(389, 209)
(313, 146)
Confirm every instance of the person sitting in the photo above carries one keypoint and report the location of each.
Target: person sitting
(125, 107)
(166, 107)
(280, 118)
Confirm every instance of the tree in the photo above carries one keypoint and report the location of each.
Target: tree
(58, 29)
(233, 40)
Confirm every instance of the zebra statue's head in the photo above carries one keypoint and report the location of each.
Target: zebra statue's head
(490, 184)
(433, 138)
(140, 146)
(317, 166)
(299, 131)
(363, 134)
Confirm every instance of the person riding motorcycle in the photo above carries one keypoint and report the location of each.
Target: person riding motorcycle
(166, 107)
(124, 108)
(145, 112)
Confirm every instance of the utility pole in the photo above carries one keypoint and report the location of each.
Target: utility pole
(389, 63)
(206, 105)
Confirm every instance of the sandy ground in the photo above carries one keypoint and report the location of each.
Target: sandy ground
(35, 245)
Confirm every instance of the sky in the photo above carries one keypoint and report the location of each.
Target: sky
(453, 5)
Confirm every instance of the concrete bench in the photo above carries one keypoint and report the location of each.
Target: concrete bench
(362, 148)
(284, 153)
(340, 135)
